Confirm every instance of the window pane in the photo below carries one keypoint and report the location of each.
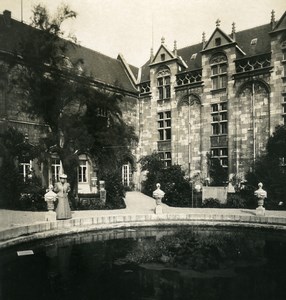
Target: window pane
(224, 106)
(167, 80)
(168, 134)
(284, 109)
(168, 115)
(168, 155)
(223, 69)
(224, 162)
(160, 115)
(223, 81)
(215, 152)
(160, 81)
(216, 118)
(215, 128)
(224, 128)
(161, 135)
(214, 107)
(214, 70)
(223, 116)
(168, 91)
(160, 93)
(215, 83)
(168, 123)
(224, 151)
(161, 124)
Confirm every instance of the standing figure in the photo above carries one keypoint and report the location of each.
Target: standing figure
(63, 208)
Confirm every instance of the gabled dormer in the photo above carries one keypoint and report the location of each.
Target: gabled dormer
(164, 55)
(280, 25)
(218, 39)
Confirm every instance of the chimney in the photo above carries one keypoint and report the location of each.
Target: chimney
(7, 17)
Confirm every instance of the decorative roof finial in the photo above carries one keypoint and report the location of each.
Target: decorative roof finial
(162, 40)
(204, 39)
(175, 45)
(233, 31)
(217, 22)
(273, 22)
(175, 48)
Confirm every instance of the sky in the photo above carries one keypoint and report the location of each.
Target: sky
(132, 27)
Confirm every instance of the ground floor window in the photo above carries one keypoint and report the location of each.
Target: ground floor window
(25, 167)
(82, 171)
(126, 174)
(221, 154)
(167, 158)
(56, 169)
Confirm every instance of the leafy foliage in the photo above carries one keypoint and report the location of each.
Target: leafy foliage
(17, 193)
(211, 203)
(115, 192)
(56, 90)
(178, 190)
(218, 173)
(270, 172)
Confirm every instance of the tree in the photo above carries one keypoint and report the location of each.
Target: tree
(177, 188)
(269, 168)
(60, 94)
(218, 173)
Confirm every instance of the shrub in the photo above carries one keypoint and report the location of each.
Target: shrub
(115, 192)
(178, 190)
(235, 201)
(211, 203)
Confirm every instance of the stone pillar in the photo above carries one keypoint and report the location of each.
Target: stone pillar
(102, 191)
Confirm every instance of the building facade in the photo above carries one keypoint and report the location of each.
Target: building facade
(221, 98)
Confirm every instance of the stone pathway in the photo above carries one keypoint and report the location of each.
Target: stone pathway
(137, 204)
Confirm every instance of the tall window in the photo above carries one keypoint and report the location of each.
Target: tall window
(219, 72)
(126, 174)
(82, 171)
(56, 167)
(284, 110)
(164, 125)
(25, 167)
(219, 118)
(163, 84)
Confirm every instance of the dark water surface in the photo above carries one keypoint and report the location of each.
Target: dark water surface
(93, 266)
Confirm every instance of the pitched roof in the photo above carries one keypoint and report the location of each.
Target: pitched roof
(243, 40)
(101, 67)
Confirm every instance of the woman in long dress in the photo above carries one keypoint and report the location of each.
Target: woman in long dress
(63, 208)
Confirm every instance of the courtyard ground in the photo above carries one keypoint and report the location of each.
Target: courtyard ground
(136, 203)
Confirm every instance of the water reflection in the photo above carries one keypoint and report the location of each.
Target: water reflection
(234, 264)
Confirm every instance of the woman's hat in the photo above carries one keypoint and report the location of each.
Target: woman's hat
(63, 176)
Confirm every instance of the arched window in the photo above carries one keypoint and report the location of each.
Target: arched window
(163, 84)
(219, 71)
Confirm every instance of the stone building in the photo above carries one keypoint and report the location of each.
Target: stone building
(222, 97)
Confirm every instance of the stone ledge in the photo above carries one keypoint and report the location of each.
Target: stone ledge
(43, 230)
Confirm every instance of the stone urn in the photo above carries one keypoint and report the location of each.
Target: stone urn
(261, 194)
(50, 198)
(158, 194)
